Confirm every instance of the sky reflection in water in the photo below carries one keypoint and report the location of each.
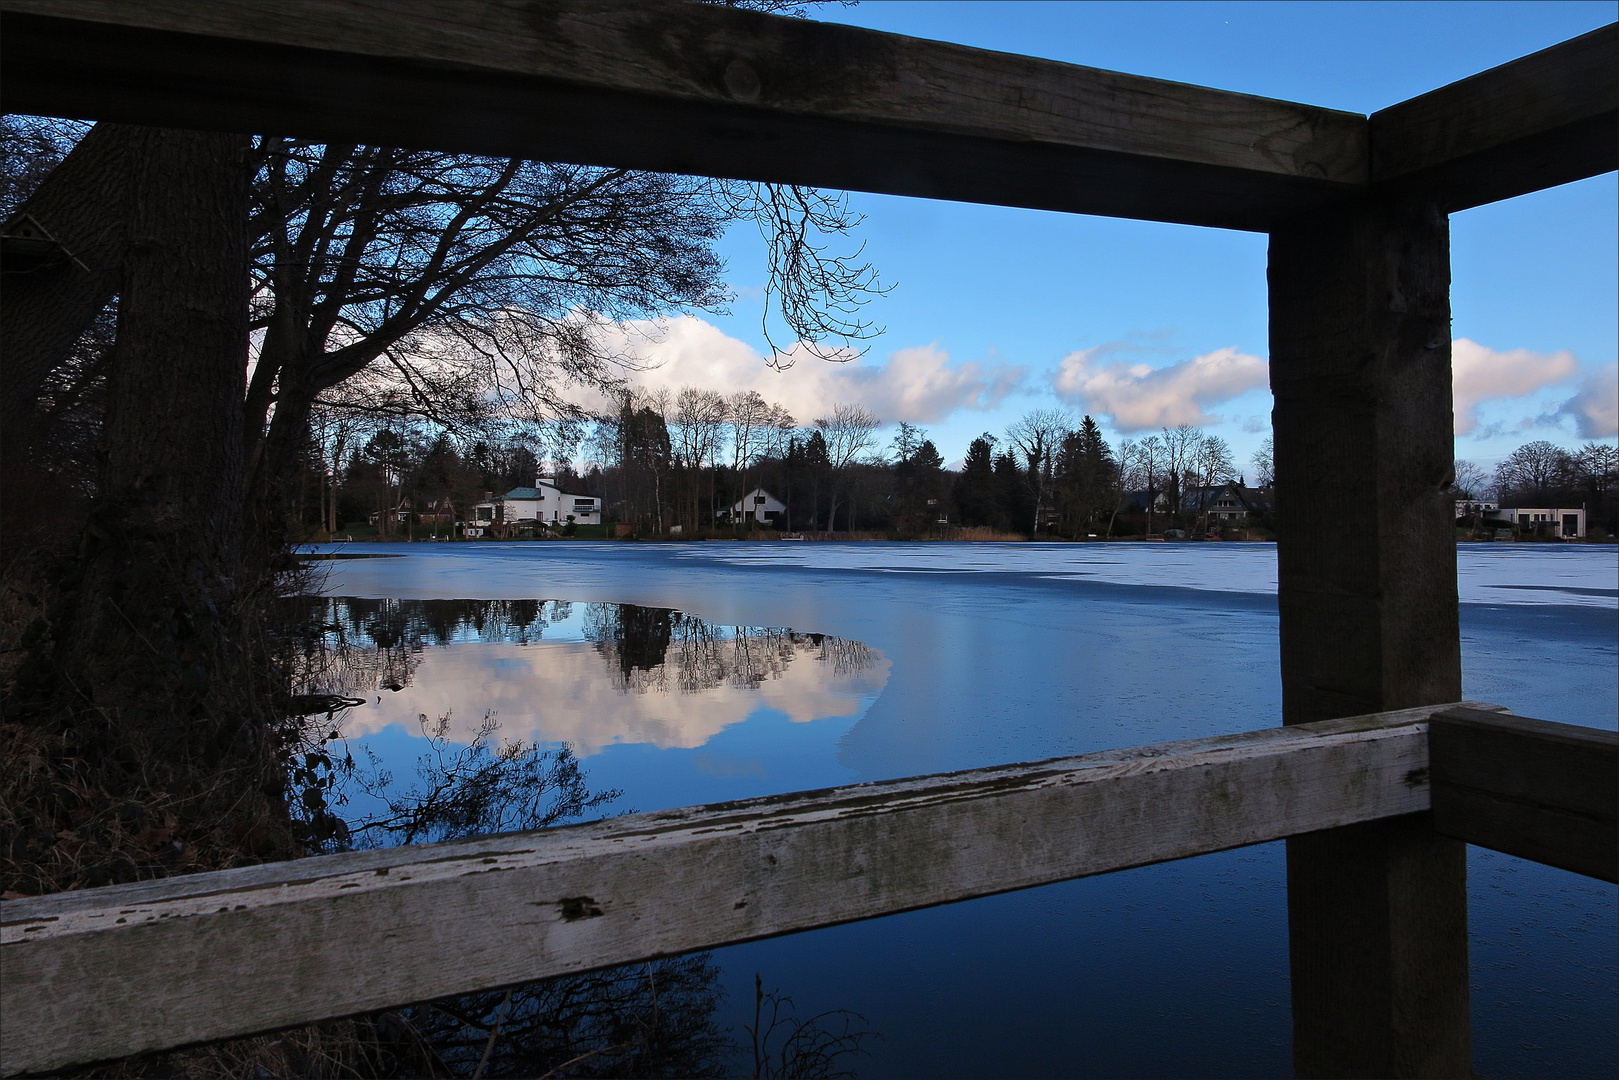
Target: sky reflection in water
(669, 707)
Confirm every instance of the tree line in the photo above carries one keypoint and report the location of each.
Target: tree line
(677, 463)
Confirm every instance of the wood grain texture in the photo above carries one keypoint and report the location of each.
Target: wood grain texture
(122, 970)
(688, 88)
(1531, 788)
(1360, 374)
(1541, 120)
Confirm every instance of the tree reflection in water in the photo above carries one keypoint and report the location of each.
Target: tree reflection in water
(642, 1020)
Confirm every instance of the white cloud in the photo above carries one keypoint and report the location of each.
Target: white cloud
(1480, 373)
(921, 385)
(1595, 408)
(1138, 396)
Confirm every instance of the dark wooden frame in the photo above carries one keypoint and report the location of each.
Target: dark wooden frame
(1356, 208)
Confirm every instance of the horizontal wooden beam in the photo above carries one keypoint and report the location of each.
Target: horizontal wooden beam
(1542, 120)
(1531, 788)
(133, 968)
(687, 88)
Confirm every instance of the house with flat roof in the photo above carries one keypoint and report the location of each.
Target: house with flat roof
(1562, 522)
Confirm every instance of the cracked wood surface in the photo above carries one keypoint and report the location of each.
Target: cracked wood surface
(126, 969)
(689, 88)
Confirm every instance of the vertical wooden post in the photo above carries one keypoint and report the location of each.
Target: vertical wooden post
(1360, 370)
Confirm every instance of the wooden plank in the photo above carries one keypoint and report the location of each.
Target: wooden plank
(127, 969)
(1541, 120)
(1531, 788)
(1360, 372)
(687, 88)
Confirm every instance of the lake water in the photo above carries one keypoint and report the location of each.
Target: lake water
(695, 673)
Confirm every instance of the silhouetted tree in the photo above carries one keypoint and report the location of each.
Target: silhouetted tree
(974, 488)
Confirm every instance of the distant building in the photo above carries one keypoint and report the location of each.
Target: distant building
(1565, 523)
(1230, 502)
(1139, 502)
(436, 511)
(764, 507)
(543, 504)
(1226, 503)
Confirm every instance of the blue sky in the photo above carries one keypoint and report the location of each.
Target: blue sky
(988, 302)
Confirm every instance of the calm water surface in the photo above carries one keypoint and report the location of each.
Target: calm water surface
(695, 673)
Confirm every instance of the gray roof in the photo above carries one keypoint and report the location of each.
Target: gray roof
(535, 493)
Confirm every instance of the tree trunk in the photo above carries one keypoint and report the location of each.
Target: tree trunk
(276, 458)
(147, 640)
(84, 205)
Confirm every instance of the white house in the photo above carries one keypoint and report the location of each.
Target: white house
(764, 507)
(1560, 521)
(542, 504)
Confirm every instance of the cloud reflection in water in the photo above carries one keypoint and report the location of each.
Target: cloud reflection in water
(591, 675)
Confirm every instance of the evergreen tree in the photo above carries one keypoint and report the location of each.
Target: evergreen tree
(974, 490)
(1014, 496)
(1086, 472)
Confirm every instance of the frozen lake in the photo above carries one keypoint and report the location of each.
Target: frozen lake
(971, 655)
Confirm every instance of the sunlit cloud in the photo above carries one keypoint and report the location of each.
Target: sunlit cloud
(1137, 396)
(1480, 373)
(1595, 408)
(920, 385)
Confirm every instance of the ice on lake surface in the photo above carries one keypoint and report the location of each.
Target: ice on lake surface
(988, 653)
(1549, 575)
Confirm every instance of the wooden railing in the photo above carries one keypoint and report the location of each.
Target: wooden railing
(128, 969)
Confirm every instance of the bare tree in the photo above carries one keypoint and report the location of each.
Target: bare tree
(1265, 463)
(1125, 478)
(1212, 467)
(1468, 481)
(818, 295)
(1596, 466)
(699, 426)
(1534, 474)
(848, 432)
(1038, 435)
(749, 421)
(1150, 471)
(1181, 446)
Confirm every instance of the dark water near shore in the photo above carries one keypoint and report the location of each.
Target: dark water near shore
(695, 673)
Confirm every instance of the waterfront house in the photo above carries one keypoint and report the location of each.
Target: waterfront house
(544, 504)
(1558, 522)
(764, 507)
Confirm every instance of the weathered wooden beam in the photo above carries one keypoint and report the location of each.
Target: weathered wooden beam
(1531, 788)
(122, 970)
(687, 88)
(1360, 373)
(1545, 119)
